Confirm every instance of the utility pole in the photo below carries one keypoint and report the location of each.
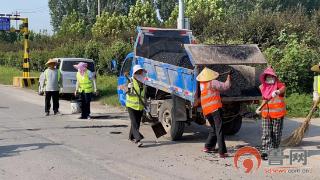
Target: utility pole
(181, 15)
(99, 8)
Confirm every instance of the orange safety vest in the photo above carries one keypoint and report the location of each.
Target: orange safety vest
(210, 98)
(275, 108)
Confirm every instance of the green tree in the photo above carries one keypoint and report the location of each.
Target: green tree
(72, 26)
(166, 8)
(142, 14)
(109, 26)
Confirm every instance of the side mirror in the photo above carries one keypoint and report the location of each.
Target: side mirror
(114, 66)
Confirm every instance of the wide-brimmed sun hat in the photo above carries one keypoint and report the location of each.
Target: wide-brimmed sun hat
(50, 61)
(316, 68)
(207, 75)
(80, 65)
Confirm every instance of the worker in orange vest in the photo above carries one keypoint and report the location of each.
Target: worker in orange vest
(272, 110)
(211, 108)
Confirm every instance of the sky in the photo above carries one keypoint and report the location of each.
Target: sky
(36, 10)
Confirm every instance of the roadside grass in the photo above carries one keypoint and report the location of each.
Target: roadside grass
(7, 73)
(107, 87)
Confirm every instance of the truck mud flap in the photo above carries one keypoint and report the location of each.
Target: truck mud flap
(179, 109)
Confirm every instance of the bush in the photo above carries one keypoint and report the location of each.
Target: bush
(292, 63)
(92, 50)
(117, 51)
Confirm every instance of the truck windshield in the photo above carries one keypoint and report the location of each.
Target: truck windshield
(68, 66)
(167, 48)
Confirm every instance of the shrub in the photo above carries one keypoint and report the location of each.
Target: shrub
(118, 51)
(293, 63)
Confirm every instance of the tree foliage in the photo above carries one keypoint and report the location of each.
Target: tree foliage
(142, 13)
(72, 26)
(109, 26)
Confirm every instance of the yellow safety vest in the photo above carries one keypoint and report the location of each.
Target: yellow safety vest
(85, 84)
(316, 84)
(132, 99)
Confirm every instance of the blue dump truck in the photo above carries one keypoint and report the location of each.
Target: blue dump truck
(173, 61)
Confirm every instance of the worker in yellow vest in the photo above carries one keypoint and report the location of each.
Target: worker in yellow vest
(135, 94)
(316, 82)
(211, 108)
(86, 85)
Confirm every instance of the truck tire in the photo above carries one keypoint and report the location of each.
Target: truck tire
(232, 126)
(231, 119)
(174, 128)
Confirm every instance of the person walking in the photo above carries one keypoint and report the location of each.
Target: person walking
(134, 96)
(211, 108)
(86, 85)
(272, 110)
(52, 84)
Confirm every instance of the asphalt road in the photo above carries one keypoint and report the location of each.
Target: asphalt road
(34, 147)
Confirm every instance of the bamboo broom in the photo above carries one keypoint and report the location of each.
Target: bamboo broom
(296, 137)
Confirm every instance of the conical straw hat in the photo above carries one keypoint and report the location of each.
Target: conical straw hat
(207, 75)
(51, 61)
(316, 68)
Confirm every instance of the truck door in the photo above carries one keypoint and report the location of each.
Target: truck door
(122, 80)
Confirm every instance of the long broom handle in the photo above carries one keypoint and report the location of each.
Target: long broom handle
(312, 110)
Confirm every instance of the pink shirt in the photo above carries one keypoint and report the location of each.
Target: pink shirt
(220, 86)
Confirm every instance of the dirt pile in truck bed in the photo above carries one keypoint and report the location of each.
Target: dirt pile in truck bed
(244, 80)
(177, 59)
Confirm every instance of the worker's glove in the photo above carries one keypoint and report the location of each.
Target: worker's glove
(275, 93)
(130, 85)
(258, 111)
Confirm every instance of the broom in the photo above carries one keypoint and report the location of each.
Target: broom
(296, 137)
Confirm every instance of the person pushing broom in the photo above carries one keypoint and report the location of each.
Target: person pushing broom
(296, 137)
(272, 110)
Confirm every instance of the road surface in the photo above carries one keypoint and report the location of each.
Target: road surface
(61, 147)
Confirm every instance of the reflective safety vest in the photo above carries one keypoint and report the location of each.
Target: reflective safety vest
(46, 74)
(132, 99)
(275, 108)
(210, 98)
(316, 84)
(85, 84)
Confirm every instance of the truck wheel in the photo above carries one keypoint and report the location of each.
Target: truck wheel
(231, 119)
(174, 128)
(232, 126)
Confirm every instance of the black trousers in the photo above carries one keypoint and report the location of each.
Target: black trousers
(54, 95)
(85, 104)
(135, 118)
(216, 133)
